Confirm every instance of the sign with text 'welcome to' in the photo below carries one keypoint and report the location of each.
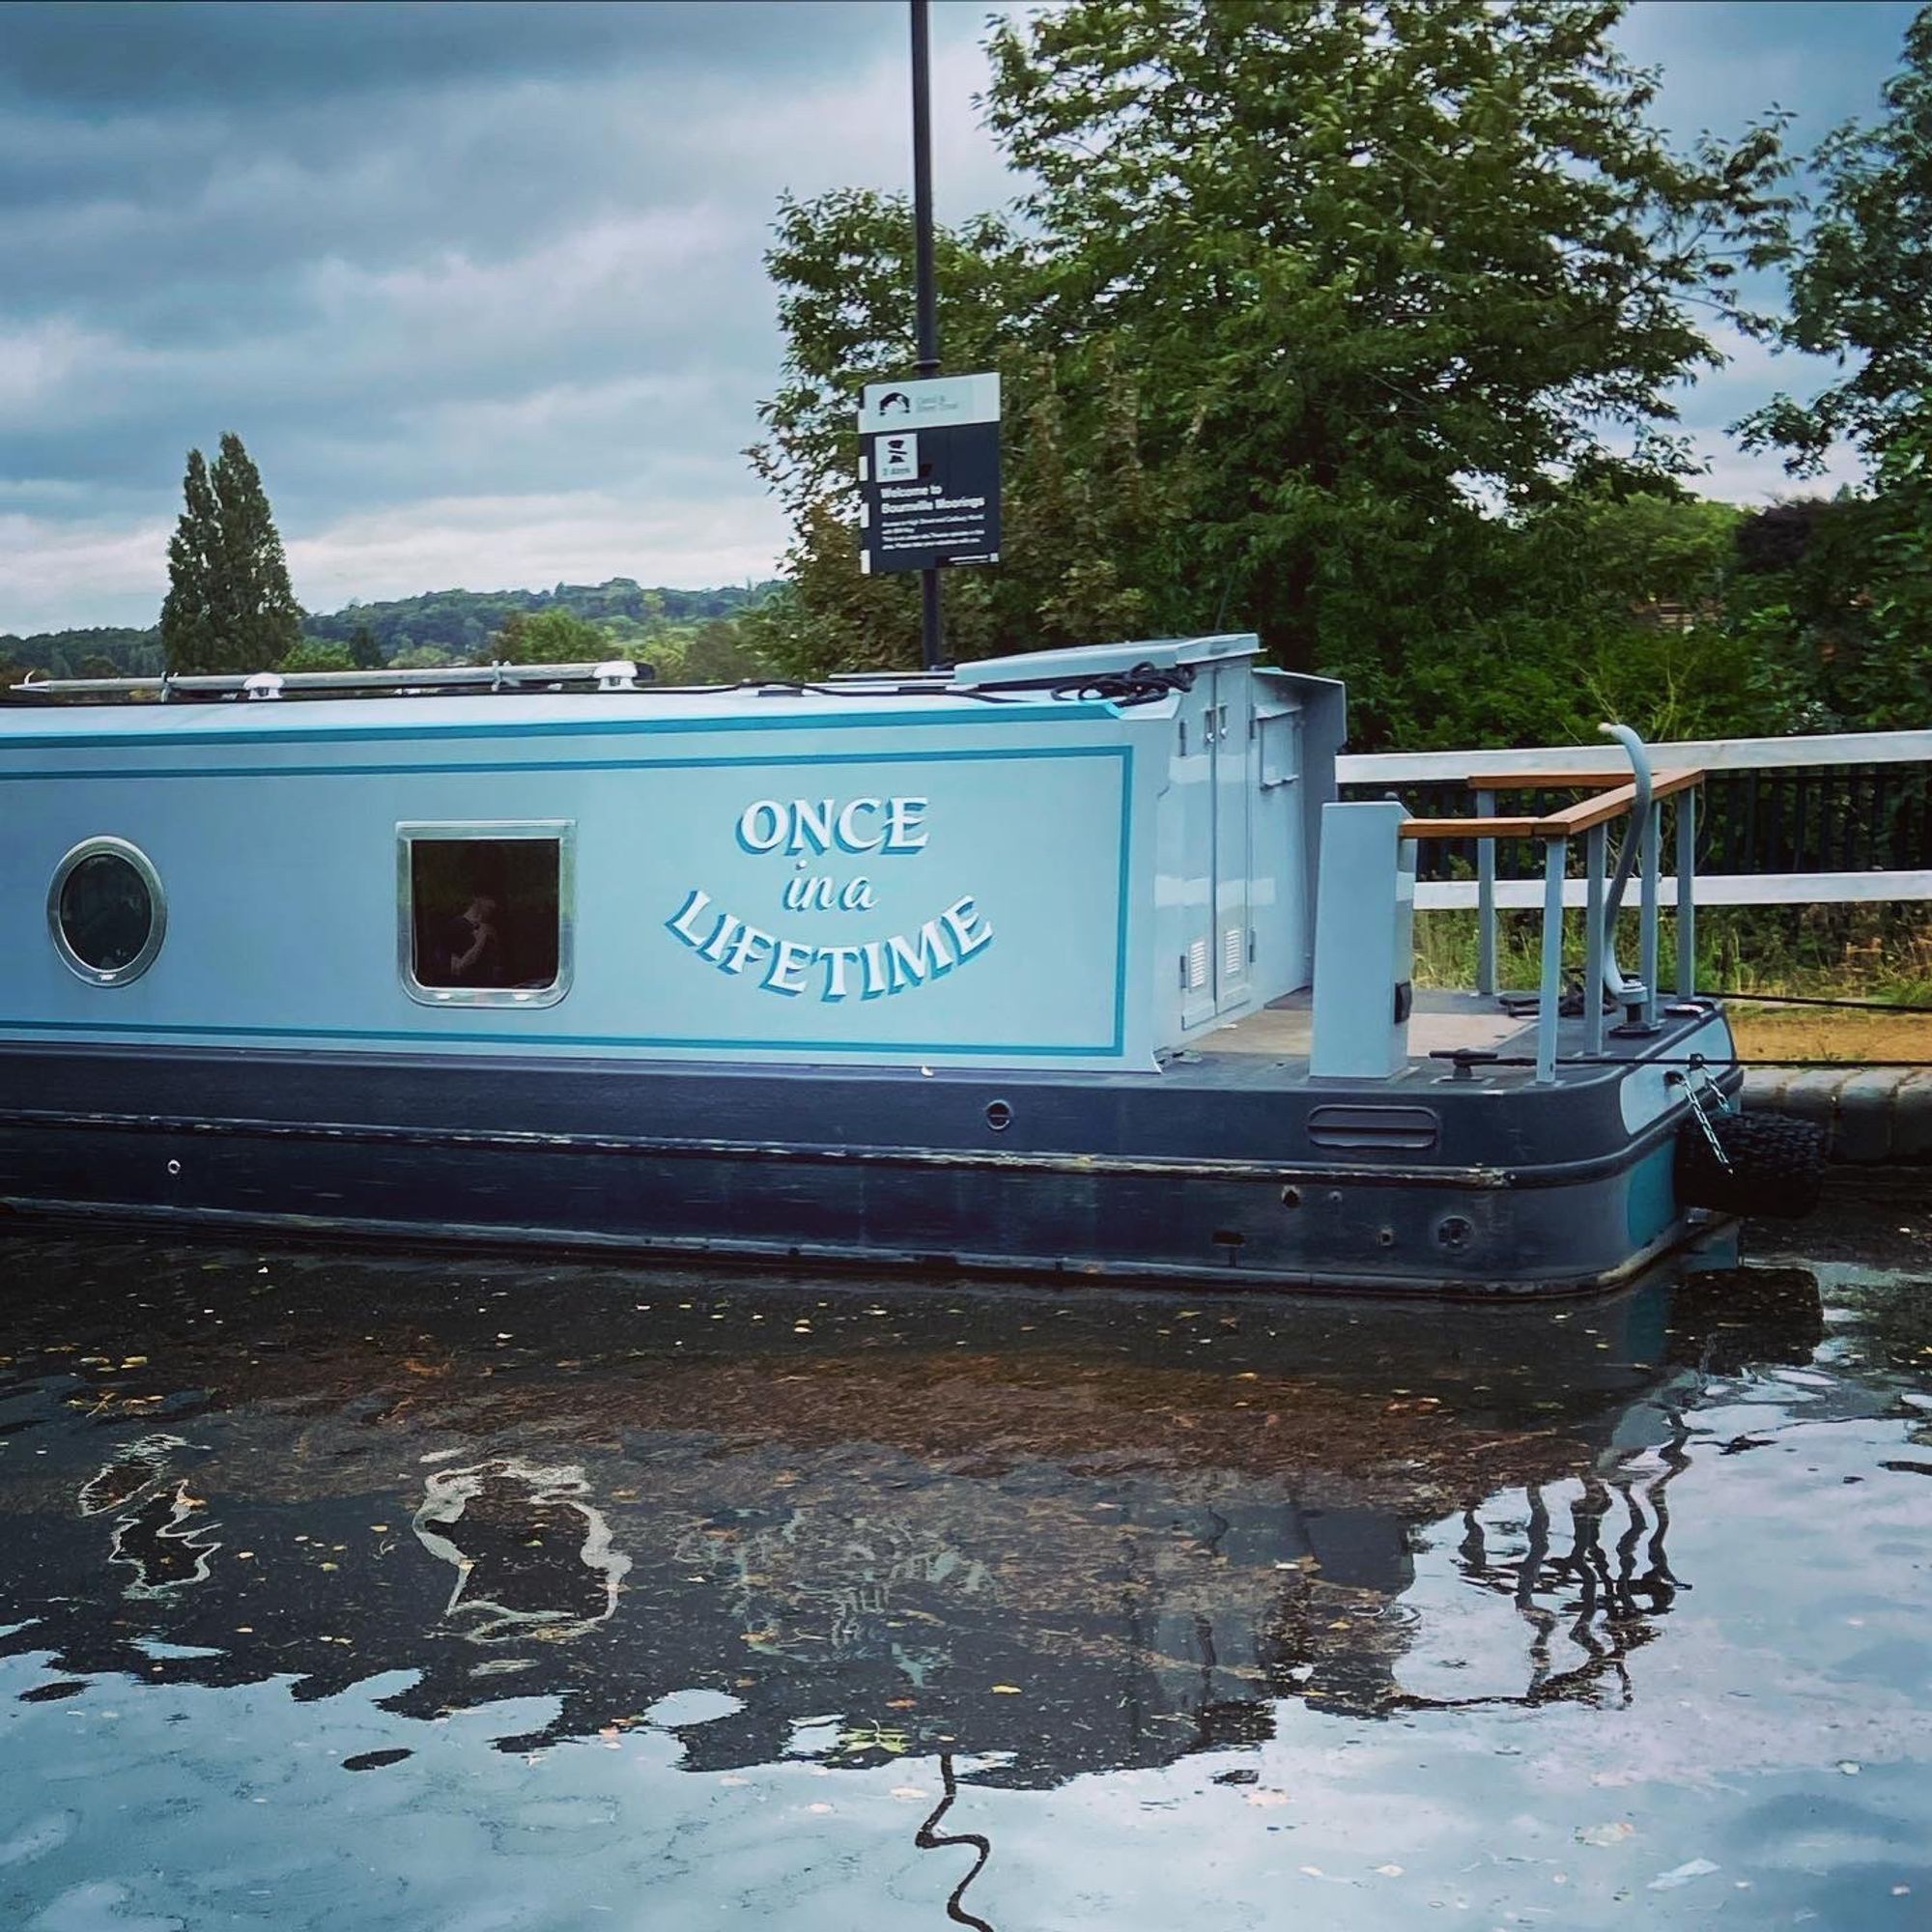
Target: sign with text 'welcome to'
(929, 472)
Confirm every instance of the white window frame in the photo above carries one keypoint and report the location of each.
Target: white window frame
(560, 832)
(157, 903)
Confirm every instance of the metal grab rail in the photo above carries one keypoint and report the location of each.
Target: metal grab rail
(614, 675)
(1642, 799)
(1613, 981)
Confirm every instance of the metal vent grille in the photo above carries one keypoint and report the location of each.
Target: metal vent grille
(1234, 950)
(1197, 965)
(1374, 1127)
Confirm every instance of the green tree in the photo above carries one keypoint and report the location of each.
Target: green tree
(1305, 288)
(1862, 284)
(1888, 683)
(229, 605)
(718, 653)
(364, 652)
(1600, 600)
(555, 635)
(1083, 551)
(314, 654)
(189, 626)
(423, 657)
(1854, 624)
(1373, 260)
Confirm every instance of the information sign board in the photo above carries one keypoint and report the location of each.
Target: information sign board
(929, 469)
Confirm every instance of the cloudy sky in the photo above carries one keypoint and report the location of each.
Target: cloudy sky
(481, 287)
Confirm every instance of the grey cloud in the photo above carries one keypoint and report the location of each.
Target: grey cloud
(92, 57)
(516, 274)
(483, 167)
(422, 258)
(425, 254)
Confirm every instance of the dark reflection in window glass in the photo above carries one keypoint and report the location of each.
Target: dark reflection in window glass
(484, 912)
(106, 912)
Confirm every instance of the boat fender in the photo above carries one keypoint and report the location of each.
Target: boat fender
(1763, 1164)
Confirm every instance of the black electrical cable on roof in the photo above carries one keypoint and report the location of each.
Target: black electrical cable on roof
(1818, 1000)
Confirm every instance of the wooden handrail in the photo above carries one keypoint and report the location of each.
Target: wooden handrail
(1609, 805)
(1472, 828)
(1573, 819)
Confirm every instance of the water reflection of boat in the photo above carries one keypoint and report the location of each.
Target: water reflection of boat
(532, 1555)
(165, 1540)
(1055, 1535)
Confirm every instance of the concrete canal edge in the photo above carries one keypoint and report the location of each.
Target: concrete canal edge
(1872, 1114)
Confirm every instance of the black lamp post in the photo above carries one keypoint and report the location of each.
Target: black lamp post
(932, 626)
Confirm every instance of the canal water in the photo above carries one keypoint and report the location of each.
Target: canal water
(463, 1595)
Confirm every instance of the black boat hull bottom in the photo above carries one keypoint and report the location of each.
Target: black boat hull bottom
(1150, 1222)
(1227, 1174)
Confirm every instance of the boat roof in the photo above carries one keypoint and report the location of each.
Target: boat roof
(535, 714)
(1096, 681)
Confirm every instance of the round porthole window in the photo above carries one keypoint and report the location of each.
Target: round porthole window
(105, 911)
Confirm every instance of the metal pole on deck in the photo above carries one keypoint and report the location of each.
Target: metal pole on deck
(1596, 941)
(932, 622)
(1686, 897)
(1485, 899)
(1550, 1000)
(1653, 850)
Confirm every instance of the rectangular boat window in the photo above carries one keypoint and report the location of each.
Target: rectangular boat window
(484, 912)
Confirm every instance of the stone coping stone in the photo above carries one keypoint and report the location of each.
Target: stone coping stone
(1872, 1114)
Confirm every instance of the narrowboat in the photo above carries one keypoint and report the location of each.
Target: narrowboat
(1069, 963)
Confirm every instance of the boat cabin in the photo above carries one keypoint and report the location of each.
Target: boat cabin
(1081, 859)
(1023, 967)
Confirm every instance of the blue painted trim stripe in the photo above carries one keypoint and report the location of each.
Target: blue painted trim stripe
(262, 734)
(798, 1049)
(637, 765)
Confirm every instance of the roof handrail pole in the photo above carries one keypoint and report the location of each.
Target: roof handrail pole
(491, 676)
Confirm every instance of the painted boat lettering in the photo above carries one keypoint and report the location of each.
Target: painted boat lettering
(809, 830)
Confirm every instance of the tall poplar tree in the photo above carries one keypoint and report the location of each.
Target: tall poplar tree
(189, 635)
(229, 605)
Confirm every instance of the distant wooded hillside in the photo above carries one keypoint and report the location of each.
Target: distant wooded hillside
(101, 652)
(446, 624)
(462, 621)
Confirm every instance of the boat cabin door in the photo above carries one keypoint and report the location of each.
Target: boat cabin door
(1234, 790)
(1217, 727)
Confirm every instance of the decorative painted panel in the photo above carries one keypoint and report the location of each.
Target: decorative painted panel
(955, 905)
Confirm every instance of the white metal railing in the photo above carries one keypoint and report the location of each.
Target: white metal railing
(1641, 797)
(1584, 763)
